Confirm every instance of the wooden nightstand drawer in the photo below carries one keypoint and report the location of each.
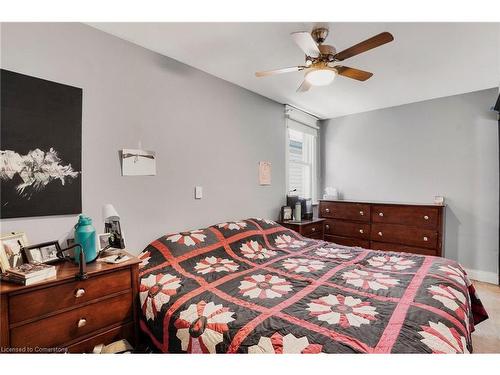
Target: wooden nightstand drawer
(313, 228)
(69, 326)
(307, 228)
(72, 294)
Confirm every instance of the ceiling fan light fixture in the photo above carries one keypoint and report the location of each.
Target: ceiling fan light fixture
(320, 77)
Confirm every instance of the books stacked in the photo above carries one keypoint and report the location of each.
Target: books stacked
(27, 273)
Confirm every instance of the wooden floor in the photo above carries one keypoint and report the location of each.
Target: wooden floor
(486, 337)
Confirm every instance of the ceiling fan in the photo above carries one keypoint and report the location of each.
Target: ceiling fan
(321, 59)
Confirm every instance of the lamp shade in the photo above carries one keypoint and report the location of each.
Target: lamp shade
(109, 213)
(320, 77)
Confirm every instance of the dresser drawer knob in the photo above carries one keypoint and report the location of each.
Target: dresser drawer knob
(361, 231)
(79, 292)
(327, 226)
(361, 213)
(313, 229)
(380, 214)
(426, 239)
(380, 234)
(327, 210)
(426, 217)
(82, 322)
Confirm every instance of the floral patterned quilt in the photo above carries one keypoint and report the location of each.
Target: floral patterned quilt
(253, 286)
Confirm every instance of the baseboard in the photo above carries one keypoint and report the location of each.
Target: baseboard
(484, 276)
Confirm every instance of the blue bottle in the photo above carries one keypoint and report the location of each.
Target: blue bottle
(86, 237)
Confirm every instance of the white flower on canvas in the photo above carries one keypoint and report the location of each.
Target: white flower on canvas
(36, 170)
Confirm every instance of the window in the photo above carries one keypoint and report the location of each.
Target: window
(302, 157)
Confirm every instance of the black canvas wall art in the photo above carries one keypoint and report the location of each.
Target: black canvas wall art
(40, 147)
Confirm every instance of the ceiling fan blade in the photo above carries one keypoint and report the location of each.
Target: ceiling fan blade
(353, 73)
(279, 71)
(364, 46)
(304, 86)
(306, 43)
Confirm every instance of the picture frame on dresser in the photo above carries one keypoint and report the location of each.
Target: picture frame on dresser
(45, 252)
(11, 254)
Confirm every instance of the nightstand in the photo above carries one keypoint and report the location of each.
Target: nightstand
(64, 314)
(308, 228)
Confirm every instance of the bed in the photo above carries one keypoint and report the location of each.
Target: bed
(253, 286)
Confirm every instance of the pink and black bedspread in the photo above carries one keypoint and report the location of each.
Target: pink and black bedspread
(256, 287)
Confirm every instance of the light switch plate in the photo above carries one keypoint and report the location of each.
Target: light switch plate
(198, 192)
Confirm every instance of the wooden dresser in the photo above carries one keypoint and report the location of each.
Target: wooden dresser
(308, 228)
(412, 228)
(63, 314)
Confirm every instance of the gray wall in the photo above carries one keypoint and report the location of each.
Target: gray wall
(411, 153)
(205, 131)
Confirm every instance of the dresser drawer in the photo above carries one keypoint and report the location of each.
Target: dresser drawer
(347, 229)
(346, 241)
(424, 217)
(312, 228)
(400, 234)
(402, 248)
(63, 328)
(43, 301)
(118, 333)
(347, 211)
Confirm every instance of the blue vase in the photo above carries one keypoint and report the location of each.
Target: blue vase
(86, 237)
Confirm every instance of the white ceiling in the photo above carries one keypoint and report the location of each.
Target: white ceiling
(425, 60)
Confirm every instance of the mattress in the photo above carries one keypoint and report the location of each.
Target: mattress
(253, 286)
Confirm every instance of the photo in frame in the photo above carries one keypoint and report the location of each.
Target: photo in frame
(45, 252)
(104, 241)
(11, 254)
(286, 213)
